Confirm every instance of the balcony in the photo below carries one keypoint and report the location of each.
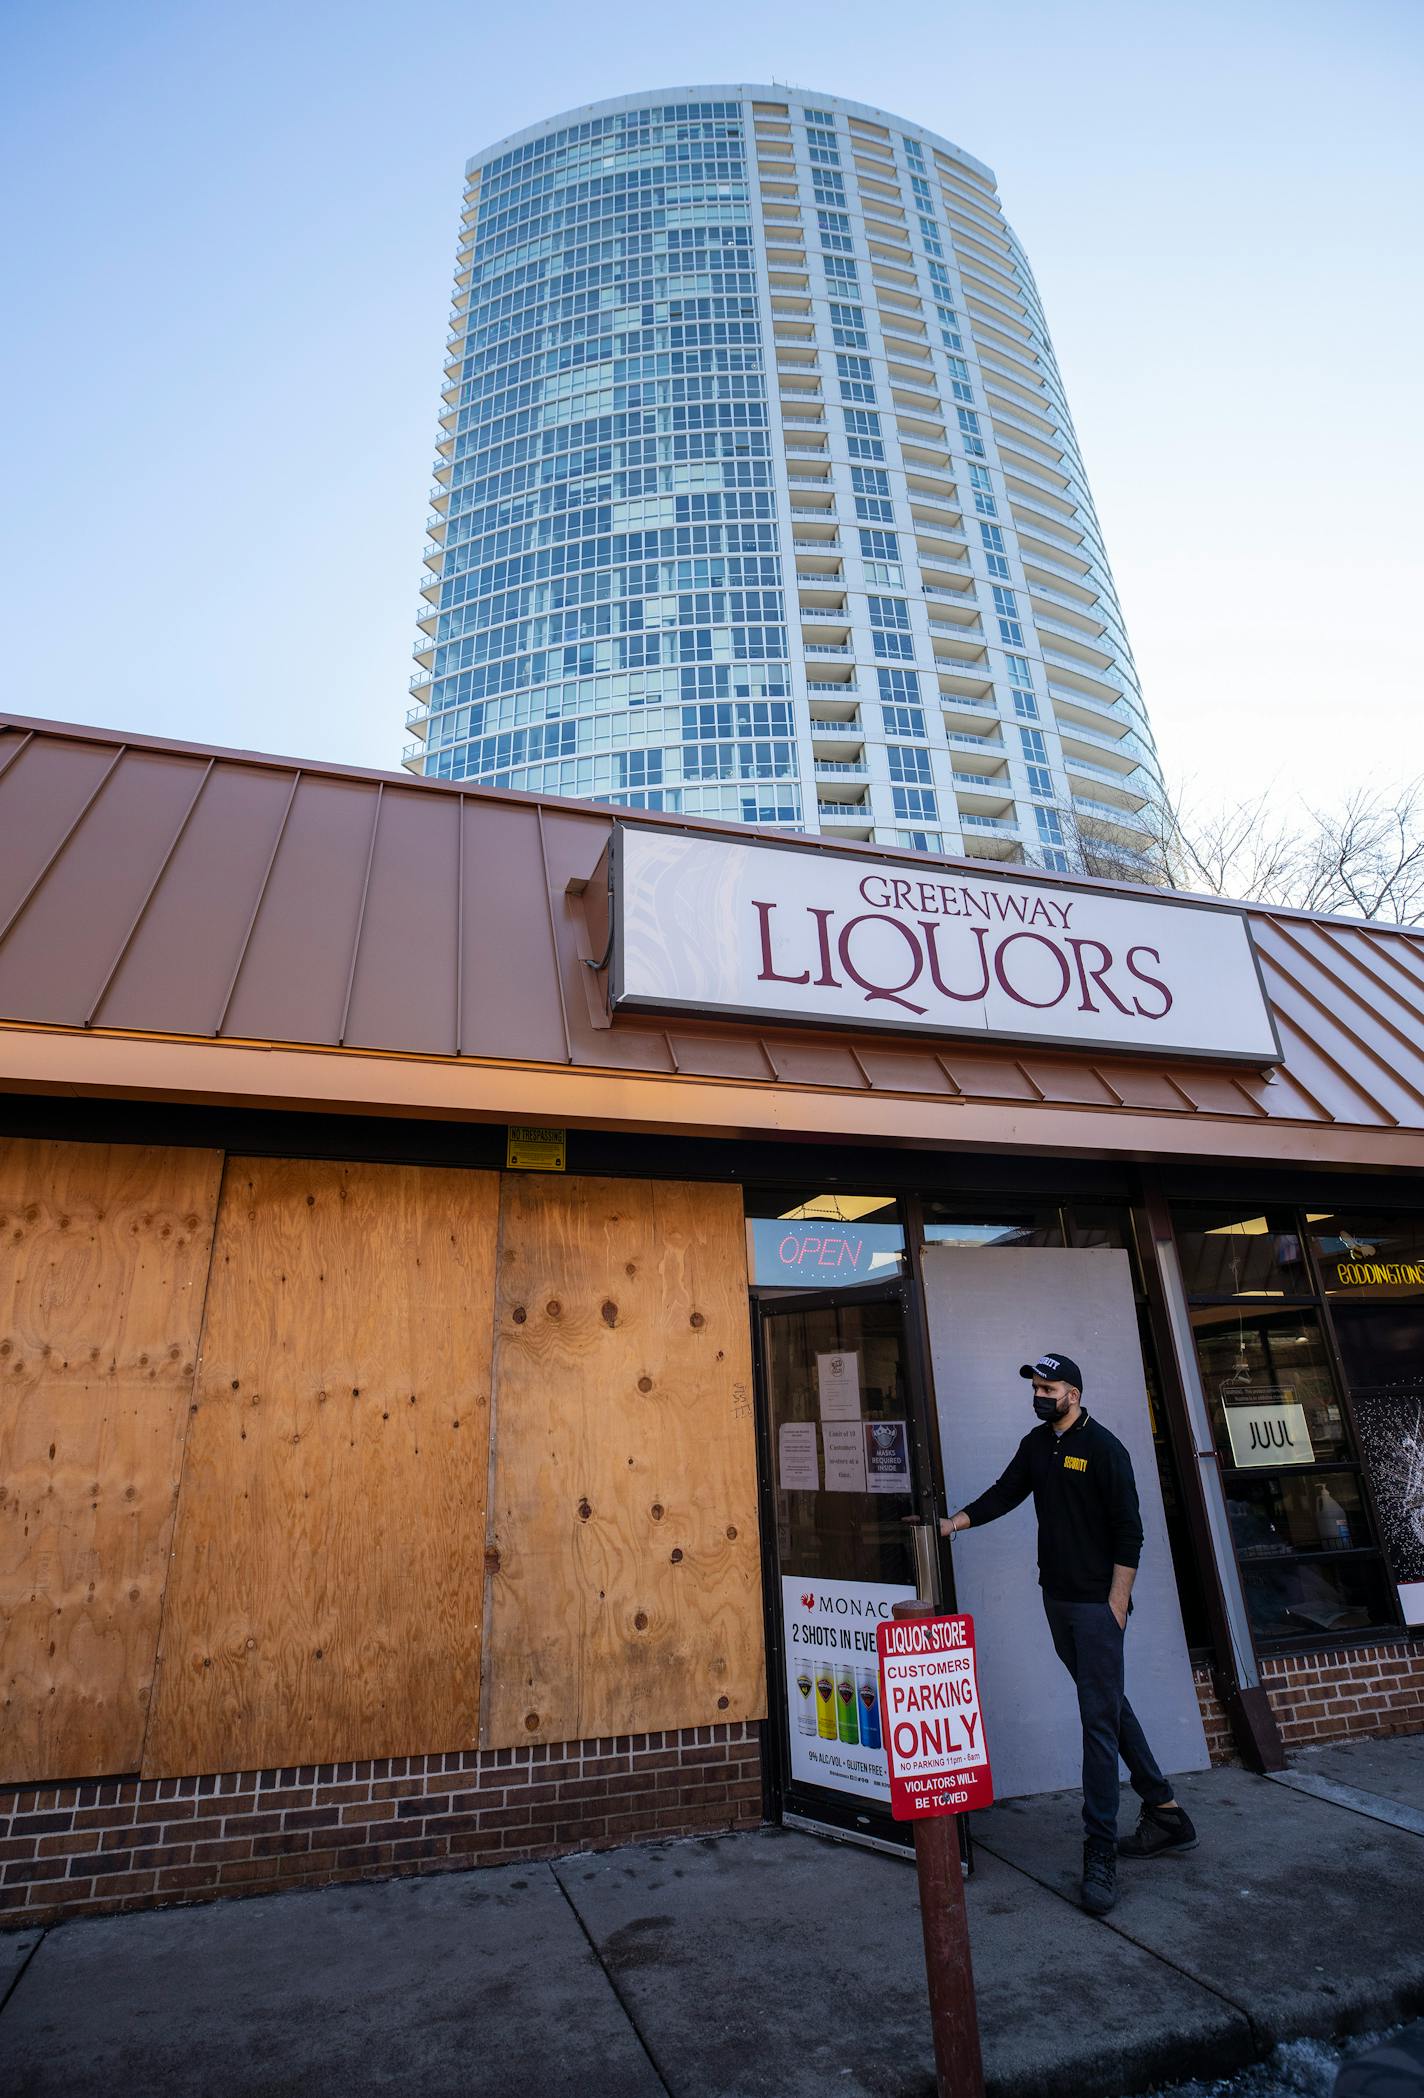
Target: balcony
(965, 644)
(1060, 523)
(1103, 816)
(825, 648)
(1078, 681)
(1101, 711)
(1007, 824)
(422, 681)
(843, 811)
(1080, 652)
(417, 719)
(1118, 784)
(840, 768)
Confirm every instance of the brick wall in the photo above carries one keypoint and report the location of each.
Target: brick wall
(126, 1843)
(1330, 1696)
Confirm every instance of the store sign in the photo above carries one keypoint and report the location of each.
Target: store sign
(794, 1253)
(931, 1717)
(1267, 1427)
(1376, 1276)
(780, 932)
(833, 1682)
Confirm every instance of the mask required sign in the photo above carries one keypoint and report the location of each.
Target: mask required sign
(933, 1725)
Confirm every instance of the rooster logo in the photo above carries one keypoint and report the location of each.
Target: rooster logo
(808, 1600)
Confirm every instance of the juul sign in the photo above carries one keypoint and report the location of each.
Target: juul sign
(785, 932)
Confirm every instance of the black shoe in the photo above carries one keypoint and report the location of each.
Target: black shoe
(1099, 1889)
(1158, 1830)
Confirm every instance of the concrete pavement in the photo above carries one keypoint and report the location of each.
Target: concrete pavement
(770, 1965)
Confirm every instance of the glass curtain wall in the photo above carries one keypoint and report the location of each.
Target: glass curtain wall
(608, 615)
(757, 496)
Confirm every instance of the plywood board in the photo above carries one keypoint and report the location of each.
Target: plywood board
(625, 1590)
(103, 1260)
(326, 1595)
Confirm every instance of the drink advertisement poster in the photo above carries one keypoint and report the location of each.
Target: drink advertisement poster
(833, 1681)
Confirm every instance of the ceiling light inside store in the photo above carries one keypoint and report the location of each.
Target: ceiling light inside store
(839, 1209)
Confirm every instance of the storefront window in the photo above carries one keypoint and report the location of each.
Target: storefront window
(1300, 1513)
(808, 1238)
(980, 1224)
(1254, 1363)
(1369, 1258)
(1231, 1251)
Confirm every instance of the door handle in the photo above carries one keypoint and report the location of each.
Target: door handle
(925, 1536)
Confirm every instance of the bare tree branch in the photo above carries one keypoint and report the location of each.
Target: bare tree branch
(1364, 859)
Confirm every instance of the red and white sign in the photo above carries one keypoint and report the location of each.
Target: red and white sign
(932, 1721)
(712, 925)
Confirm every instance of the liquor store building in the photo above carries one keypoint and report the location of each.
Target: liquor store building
(483, 1281)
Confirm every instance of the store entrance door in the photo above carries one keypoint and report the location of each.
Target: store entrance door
(844, 1461)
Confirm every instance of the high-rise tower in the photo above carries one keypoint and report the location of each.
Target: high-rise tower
(757, 494)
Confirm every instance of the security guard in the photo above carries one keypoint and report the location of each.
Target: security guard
(1089, 1544)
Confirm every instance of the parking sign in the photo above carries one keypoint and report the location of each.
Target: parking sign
(932, 1722)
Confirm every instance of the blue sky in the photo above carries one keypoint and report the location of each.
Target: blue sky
(227, 254)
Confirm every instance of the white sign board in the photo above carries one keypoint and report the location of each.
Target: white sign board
(708, 925)
(838, 1386)
(1267, 1428)
(845, 1456)
(800, 1461)
(833, 1681)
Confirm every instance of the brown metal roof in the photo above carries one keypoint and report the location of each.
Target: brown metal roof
(152, 889)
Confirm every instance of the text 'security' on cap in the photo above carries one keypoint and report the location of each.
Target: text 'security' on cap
(1054, 1368)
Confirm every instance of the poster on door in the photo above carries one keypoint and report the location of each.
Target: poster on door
(833, 1682)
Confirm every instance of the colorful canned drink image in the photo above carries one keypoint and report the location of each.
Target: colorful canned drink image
(805, 1699)
(868, 1684)
(845, 1701)
(825, 1701)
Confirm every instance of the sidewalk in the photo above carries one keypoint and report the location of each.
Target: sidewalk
(770, 1965)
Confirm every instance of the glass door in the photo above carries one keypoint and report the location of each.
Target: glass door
(844, 1462)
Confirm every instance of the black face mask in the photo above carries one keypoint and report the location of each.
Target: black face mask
(1050, 1409)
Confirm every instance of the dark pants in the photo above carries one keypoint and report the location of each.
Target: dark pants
(1088, 1641)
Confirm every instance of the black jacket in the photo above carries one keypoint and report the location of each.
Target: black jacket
(1086, 1498)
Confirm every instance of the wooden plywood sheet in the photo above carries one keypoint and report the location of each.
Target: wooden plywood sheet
(625, 1562)
(326, 1596)
(103, 1260)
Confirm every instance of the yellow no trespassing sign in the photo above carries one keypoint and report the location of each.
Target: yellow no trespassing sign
(535, 1150)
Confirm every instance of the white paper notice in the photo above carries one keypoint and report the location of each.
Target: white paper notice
(845, 1456)
(800, 1465)
(838, 1383)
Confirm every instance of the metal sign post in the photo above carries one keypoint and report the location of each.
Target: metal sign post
(934, 1738)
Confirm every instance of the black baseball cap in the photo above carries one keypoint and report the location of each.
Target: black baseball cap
(1054, 1367)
